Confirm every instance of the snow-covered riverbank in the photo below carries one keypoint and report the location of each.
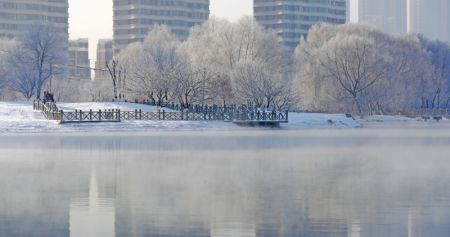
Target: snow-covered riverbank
(19, 117)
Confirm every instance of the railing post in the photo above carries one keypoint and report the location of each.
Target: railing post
(90, 114)
(140, 114)
(81, 115)
(287, 115)
(164, 115)
(118, 115)
(100, 115)
(61, 118)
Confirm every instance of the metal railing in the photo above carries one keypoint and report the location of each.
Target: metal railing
(227, 114)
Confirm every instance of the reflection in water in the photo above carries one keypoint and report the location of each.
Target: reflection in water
(233, 229)
(355, 229)
(315, 185)
(92, 216)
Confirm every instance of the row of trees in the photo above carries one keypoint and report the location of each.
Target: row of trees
(220, 62)
(363, 70)
(343, 68)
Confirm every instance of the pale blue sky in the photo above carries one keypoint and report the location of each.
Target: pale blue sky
(93, 18)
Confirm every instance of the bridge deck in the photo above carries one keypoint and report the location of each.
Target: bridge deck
(243, 118)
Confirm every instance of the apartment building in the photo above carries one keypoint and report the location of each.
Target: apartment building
(79, 63)
(16, 16)
(133, 19)
(105, 52)
(387, 15)
(292, 19)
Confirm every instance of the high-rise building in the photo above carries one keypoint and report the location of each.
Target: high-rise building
(79, 63)
(105, 54)
(16, 16)
(134, 18)
(292, 19)
(430, 18)
(387, 15)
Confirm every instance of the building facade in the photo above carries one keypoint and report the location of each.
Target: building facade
(16, 16)
(387, 15)
(430, 18)
(105, 52)
(134, 18)
(79, 63)
(292, 19)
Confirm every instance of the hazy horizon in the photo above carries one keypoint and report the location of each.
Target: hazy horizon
(95, 22)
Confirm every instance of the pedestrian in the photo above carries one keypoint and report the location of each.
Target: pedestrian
(45, 96)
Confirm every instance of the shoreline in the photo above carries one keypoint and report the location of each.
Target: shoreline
(19, 118)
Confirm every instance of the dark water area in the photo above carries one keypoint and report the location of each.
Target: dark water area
(337, 183)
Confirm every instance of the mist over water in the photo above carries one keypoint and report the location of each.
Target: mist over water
(349, 183)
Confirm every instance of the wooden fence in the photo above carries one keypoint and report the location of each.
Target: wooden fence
(51, 112)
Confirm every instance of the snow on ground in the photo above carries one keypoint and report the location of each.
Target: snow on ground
(319, 121)
(19, 117)
(396, 121)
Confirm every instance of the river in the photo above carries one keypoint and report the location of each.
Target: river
(352, 183)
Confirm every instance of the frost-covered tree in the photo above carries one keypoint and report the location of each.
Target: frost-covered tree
(205, 51)
(118, 75)
(412, 77)
(226, 55)
(6, 45)
(38, 57)
(22, 76)
(260, 65)
(440, 56)
(208, 66)
(359, 69)
(258, 83)
(152, 65)
(189, 85)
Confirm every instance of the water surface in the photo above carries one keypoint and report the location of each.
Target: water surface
(349, 183)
